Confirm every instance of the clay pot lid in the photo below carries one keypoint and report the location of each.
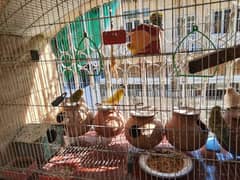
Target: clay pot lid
(186, 111)
(71, 104)
(150, 28)
(143, 113)
(105, 107)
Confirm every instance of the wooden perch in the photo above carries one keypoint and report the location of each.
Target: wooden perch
(214, 59)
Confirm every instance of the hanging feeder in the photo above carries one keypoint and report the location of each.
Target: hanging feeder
(145, 40)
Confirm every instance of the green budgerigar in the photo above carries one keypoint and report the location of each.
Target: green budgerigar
(219, 126)
(76, 96)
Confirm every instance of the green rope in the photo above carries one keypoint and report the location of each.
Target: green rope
(99, 54)
(177, 71)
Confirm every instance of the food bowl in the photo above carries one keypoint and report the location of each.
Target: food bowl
(168, 159)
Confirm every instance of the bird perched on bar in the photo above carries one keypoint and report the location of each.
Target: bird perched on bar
(115, 98)
(156, 19)
(218, 126)
(76, 96)
(231, 98)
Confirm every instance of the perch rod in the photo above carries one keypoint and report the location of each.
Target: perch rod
(213, 59)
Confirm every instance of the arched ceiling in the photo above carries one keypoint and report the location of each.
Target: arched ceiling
(31, 17)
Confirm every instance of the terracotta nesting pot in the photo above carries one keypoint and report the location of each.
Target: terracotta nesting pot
(232, 118)
(185, 130)
(79, 118)
(143, 130)
(109, 121)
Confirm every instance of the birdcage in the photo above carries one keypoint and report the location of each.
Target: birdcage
(119, 89)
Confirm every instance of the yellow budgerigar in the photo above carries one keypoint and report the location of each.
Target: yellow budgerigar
(76, 96)
(115, 98)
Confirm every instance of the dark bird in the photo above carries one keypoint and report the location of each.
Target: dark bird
(218, 126)
(76, 96)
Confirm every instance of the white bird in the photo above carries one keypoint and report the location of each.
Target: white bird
(232, 17)
(231, 98)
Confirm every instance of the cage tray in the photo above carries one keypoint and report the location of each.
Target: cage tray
(90, 162)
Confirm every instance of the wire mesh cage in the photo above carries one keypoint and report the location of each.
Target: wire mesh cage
(119, 89)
